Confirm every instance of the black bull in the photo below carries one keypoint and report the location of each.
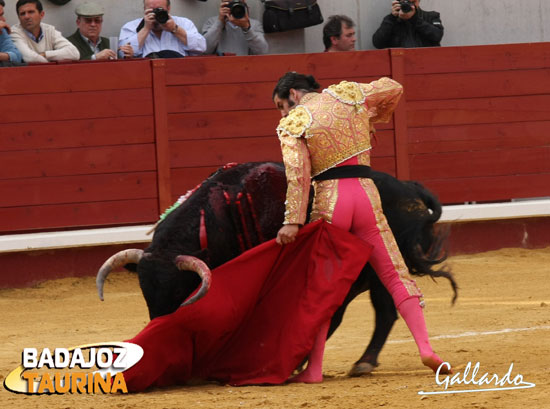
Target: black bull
(241, 206)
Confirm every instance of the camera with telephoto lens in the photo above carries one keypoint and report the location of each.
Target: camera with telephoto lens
(161, 15)
(237, 8)
(406, 6)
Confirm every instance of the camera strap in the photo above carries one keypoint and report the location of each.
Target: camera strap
(140, 25)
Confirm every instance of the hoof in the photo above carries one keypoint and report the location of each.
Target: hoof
(361, 368)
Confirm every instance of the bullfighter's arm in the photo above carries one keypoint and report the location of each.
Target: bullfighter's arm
(381, 98)
(297, 164)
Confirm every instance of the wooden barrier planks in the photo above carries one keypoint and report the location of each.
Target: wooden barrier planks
(78, 146)
(222, 124)
(76, 77)
(482, 58)
(101, 143)
(477, 120)
(51, 134)
(77, 189)
(76, 105)
(464, 85)
(77, 161)
(490, 189)
(479, 137)
(69, 215)
(220, 109)
(269, 68)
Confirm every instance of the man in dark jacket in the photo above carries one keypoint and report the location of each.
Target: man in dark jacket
(87, 37)
(409, 26)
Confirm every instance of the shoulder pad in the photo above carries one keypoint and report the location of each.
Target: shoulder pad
(347, 92)
(295, 123)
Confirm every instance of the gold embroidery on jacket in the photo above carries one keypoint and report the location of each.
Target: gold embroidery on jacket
(330, 130)
(295, 123)
(298, 175)
(337, 133)
(382, 97)
(324, 202)
(347, 92)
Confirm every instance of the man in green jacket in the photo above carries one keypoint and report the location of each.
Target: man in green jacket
(87, 37)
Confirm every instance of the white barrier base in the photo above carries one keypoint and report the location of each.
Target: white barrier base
(138, 234)
(495, 211)
(75, 238)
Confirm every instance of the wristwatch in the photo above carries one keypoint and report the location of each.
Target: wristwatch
(175, 29)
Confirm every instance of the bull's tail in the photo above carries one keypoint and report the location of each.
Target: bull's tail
(427, 246)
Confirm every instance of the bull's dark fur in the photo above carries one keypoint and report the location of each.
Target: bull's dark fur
(233, 225)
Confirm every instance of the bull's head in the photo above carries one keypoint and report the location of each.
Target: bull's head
(165, 284)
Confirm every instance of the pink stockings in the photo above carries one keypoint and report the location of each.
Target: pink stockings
(412, 314)
(358, 210)
(314, 371)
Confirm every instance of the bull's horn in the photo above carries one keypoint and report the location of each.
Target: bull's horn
(114, 262)
(198, 266)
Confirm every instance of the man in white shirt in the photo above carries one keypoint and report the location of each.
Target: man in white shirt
(39, 42)
(158, 34)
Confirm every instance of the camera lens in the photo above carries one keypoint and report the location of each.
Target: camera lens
(161, 15)
(405, 6)
(238, 10)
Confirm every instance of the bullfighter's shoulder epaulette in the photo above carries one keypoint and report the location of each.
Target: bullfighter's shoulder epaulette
(347, 92)
(296, 123)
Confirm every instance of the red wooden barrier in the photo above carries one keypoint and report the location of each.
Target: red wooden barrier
(477, 120)
(98, 144)
(220, 110)
(77, 146)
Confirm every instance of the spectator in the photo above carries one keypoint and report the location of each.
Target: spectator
(409, 29)
(158, 34)
(8, 51)
(39, 42)
(339, 34)
(87, 37)
(229, 33)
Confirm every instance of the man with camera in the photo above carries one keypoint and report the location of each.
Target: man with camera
(160, 35)
(233, 31)
(409, 26)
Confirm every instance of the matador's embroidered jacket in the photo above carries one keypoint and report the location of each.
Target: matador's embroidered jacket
(326, 129)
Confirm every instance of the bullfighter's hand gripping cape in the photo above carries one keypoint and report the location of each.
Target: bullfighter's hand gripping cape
(260, 317)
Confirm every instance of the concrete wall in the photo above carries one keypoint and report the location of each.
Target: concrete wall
(466, 22)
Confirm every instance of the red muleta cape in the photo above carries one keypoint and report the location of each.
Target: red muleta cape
(260, 317)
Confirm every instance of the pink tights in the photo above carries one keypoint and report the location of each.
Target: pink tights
(358, 210)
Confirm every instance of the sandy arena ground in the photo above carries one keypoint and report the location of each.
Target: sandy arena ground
(502, 317)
